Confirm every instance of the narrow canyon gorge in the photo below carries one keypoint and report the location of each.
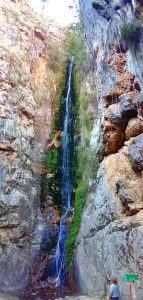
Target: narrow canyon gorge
(71, 152)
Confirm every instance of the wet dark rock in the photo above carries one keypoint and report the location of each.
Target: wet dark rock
(48, 240)
(135, 153)
(119, 184)
(125, 197)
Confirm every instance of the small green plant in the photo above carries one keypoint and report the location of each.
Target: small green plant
(3, 208)
(80, 197)
(52, 160)
(50, 182)
(131, 33)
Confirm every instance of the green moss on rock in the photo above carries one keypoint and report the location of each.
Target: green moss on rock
(131, 33)
(80, 197)
(3, 209)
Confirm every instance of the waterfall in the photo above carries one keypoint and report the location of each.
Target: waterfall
(66, 183)
(56, 268)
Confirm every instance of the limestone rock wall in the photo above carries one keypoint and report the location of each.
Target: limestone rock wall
(111, 232)
(28, 85)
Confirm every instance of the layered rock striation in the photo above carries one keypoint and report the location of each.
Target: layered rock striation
(111, 232)
(28, 85)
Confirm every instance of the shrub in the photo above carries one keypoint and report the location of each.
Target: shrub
(52, 160)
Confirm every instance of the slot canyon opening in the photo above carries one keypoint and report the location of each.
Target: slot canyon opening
(49, 272)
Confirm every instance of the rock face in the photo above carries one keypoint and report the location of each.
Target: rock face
(26, 108)
(110, 235)
(136, 153)
(111, 231)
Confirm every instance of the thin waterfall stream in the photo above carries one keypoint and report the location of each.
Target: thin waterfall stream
(66, 182)
(55, 270)
(49, 274)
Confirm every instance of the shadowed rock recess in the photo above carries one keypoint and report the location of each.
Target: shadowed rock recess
(110, 239)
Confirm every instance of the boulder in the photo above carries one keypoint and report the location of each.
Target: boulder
(135, 153)
(113, 135)
(127, 108)
(116, 118)
(134, 128)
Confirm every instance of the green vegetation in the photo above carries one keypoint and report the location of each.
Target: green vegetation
(131, 33)
(83, 161)
(50, 182)
(80, 197)
(52, 160)
(75, 47)
(57, 105)
(85, 167)
(3, 209)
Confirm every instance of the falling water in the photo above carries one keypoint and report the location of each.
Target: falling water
(66, 184)
(56, 268)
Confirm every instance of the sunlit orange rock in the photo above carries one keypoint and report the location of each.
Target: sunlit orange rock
(134, 128)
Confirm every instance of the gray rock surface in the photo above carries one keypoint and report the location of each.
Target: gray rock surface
(109, 243)
(24, 130)
(136, 152)
(126, 111)
(111, 230)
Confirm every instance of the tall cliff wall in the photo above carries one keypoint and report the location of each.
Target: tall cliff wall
(31, 64)
(111, 231)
